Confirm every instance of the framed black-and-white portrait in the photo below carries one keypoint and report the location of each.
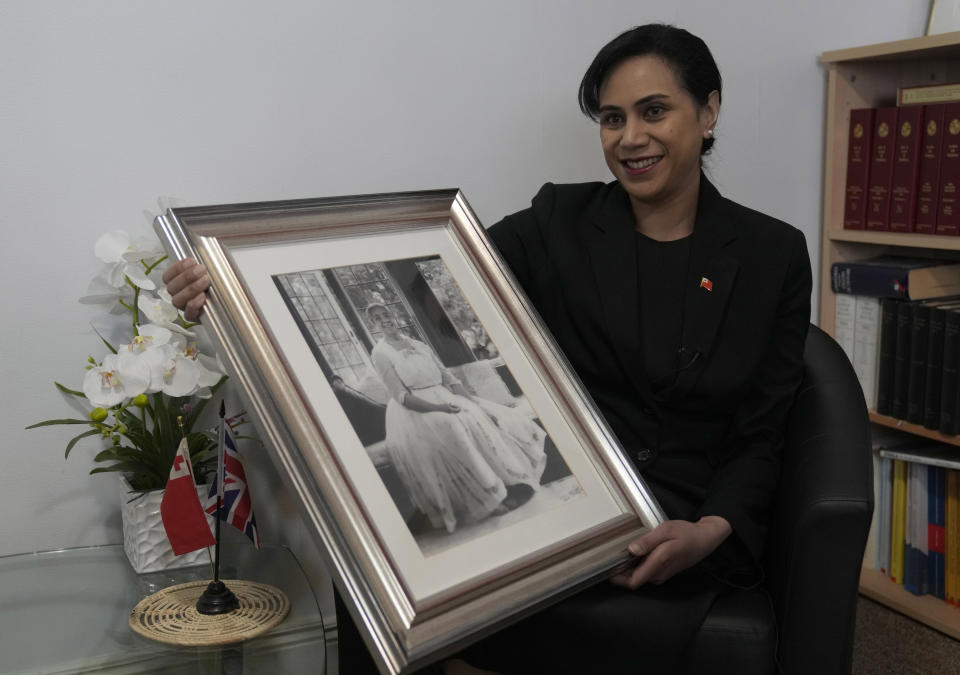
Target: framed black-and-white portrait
(452, 468)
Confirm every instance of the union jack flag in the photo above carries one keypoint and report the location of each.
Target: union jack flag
(237, 509)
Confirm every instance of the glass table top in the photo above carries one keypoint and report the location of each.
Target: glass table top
(68, 612)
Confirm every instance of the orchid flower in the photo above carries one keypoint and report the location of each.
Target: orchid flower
(210, 369)
(171, 372)
(124, 259)
(175, 365)
(101, 291)
(119, 377)
(154, 387)
(160, 311)
(148, 336)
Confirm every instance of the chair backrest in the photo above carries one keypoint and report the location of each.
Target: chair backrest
(822, 513)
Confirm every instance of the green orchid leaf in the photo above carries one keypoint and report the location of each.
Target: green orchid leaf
(50, 423)
(67, 390)
(126, 467)
(112, 468)
(106, 455)
(104, 340)
(163, 436)
(73, 441)
(125, 452)
(199, 406)
(137, 494)
(149, 457)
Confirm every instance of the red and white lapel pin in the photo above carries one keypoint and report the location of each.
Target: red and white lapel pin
(706, 283)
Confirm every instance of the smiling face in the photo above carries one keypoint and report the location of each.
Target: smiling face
(382, 318)
(652, 131)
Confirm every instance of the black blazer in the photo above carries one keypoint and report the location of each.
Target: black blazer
(708, 444)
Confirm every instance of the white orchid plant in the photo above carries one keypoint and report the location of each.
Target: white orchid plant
(140, 392)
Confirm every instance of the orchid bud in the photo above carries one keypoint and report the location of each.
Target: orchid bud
(98, 414)
(140, 400)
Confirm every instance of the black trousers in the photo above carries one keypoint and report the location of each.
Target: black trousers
(602, 630)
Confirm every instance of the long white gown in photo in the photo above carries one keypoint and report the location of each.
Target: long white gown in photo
(454, 465)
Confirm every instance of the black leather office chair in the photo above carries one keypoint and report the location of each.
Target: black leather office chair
(804, 622)
(819, 530)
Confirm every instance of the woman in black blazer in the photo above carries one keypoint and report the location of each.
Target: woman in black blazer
(694, 366)
(685, 316)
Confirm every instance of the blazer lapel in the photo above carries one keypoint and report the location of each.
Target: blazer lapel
(610, 243)
(710, 280)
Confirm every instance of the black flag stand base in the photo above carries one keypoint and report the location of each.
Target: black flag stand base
(217, 599)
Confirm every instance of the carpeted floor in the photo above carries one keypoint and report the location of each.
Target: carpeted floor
(888, 642)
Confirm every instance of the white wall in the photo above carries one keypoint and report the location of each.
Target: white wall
(104, 106)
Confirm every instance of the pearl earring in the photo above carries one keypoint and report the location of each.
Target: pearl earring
(710, 133)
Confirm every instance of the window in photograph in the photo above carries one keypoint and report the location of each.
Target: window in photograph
(456, 443)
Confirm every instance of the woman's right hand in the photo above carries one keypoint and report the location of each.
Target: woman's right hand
(187, 282)
(447, 408)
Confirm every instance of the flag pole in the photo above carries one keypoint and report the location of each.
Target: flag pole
(221, 433)
(218, 599)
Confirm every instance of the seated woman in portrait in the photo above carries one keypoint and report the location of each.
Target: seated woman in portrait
(461, 457)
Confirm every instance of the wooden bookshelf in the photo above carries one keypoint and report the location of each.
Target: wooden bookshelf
(944, 246)
(864, 77)
(927, 609)
(914, 429)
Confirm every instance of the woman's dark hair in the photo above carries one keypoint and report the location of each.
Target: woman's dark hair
(684, 52)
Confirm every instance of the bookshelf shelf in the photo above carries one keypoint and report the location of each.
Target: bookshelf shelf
(868, 77)
(914, 429)
(943, 45)
(923, 241)
(924, 608)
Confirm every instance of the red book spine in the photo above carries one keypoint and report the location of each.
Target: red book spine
(881, 168)
(948, 211)
(858, 169)
(928, 180)
(903, 186)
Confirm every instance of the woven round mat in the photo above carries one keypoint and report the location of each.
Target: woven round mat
(171, 615)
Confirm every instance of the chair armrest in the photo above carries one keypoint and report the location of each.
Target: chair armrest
(822, 515)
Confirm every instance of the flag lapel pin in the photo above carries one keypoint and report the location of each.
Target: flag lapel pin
(706, 283)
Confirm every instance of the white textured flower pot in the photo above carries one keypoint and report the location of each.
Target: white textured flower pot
(144, 539)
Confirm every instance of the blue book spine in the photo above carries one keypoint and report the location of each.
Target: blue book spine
(921, 536)
(937, 514)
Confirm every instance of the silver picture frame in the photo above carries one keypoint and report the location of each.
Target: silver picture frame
(413, 604)
(943, 17)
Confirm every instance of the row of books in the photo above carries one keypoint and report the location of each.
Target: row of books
(906, 355)
(903, 169)
(915, 534)
(898, 320)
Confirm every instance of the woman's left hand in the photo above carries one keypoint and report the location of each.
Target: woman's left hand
(672, 547)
